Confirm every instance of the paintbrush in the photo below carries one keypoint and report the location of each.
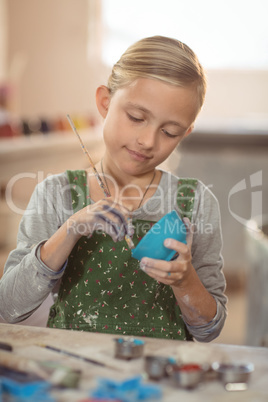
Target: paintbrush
(101, 183)
(76, 356)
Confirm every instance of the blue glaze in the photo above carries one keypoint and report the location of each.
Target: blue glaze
(152, 244)
(138, 342)
(134, 341)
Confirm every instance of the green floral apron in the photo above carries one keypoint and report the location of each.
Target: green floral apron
(104, 290)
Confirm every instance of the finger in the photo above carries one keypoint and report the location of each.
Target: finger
(181, 248)
(190, 231)
(156, 267)
(110, 220)
(123, 214)
(113, 203)
(118, 214)
(125, 220)
(166, 275)
(115, 230)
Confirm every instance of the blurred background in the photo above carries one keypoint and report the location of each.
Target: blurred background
(54, 54)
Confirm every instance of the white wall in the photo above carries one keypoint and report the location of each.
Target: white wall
(3, 40)
(237, 94)
(48, 55)
(54, 58)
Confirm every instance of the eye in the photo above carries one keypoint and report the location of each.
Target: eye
(168, 134)
(135, 119)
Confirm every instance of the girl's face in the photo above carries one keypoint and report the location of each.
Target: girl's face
(144, 122)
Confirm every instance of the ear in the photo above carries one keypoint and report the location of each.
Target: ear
(190, 129)
(103, 97)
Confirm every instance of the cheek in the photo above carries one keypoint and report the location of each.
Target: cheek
(113, 133)
(167, 147)
(117, 132)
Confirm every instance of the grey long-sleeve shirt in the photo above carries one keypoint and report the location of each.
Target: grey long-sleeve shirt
(27, 281)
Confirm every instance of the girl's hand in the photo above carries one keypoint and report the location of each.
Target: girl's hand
(174, 272)
(105, 215)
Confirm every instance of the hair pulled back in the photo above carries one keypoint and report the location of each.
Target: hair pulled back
(161, 58)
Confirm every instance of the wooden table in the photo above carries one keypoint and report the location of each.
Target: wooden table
(26, 340)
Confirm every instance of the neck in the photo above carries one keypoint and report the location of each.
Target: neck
(122, 178)
(134, 189)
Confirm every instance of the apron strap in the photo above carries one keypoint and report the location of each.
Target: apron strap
(186, 196)
(79, 189)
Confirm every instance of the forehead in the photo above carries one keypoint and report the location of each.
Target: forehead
(160, 99)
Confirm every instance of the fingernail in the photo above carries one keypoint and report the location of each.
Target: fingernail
(130, 230)
(187, 222)
(142, 266)
(121, 237)
(167, 242)
(129, 241)
(119, 229)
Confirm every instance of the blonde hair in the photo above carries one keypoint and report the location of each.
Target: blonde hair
(160, 58)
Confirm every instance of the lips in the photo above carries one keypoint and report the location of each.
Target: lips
(137, 155)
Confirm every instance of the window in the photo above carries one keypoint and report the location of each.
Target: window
(225, 34)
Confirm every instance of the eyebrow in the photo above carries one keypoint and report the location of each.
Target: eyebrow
(145, 110)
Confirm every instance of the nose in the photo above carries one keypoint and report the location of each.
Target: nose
(147, 138)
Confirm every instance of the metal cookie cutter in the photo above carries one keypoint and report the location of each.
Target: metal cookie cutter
(128, 348)
(234, 376)
(187, 375)
(158, 367)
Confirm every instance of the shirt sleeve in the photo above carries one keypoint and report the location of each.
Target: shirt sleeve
(27, 281)
(207, 259)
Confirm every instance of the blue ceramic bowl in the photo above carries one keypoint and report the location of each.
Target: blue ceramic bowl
(152, 244)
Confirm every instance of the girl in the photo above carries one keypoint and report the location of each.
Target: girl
(71, 237)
